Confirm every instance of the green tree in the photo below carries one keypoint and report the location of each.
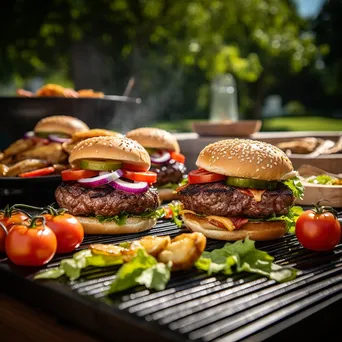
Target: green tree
(252, 39)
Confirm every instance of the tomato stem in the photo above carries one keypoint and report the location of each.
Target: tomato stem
(2, 226)
(320, 209)
(35, 219)
(9, 211)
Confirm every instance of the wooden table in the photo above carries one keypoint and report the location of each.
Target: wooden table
(191, 144)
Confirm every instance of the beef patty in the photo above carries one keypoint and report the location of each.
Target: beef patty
(104, 200)
(224, 200)
(170, 173)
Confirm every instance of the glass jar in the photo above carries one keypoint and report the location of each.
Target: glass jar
(223, 104)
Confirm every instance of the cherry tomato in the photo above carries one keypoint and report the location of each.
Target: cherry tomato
(318, 229)
(147, 176)
(68, 230)
(8, 218)
(178, 157)
(204, 176)
(70, 175)
(30, 244)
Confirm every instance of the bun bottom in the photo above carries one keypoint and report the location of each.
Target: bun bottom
(167, 195)
(133, 225)
(258, 231)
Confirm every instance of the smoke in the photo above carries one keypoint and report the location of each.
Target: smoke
(159, 89)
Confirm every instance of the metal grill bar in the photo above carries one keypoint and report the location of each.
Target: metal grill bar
(195, 306)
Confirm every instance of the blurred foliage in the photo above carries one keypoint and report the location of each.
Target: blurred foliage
(196, 40)
(295, 108)
(289, 123)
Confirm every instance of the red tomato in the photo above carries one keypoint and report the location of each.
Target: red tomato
(70, 175)
(318, 230)
(68, 230)
(147, 176)
(39, 172)
(178, 157)
(204, 176)
(30, 245)
(133, 167)
(8, 219)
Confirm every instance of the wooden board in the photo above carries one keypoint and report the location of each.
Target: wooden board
(241, 128)
(315, 192)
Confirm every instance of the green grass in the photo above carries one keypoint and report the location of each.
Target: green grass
(306, 123)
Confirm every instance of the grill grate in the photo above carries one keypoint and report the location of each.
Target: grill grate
(195, 306)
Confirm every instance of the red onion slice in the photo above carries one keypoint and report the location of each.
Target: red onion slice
(28, 135)
(134, 188)
(160, 157)
(56, 138)
(102, 179)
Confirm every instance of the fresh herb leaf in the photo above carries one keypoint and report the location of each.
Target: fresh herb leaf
(296, 187)
(176, 208)
(321, 179)
(72, 267)
(121, 219)
(290, 219)
(52, 273)
(243, 256)
(143, 269)
(155, 277)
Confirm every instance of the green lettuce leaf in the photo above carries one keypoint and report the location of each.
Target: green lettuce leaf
(290, 219)
(296, 187)
(176, 208)
(171, 186)
(143, 269)
(122, 218)
(72, 267)
(242, 256)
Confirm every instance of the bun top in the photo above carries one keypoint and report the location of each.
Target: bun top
(247, 159)
(95, 132)
(110, 148)
(151, 137)
(60, 124)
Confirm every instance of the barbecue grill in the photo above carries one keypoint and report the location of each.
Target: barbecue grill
(195, 306)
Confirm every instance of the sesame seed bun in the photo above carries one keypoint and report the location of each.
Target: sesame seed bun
(246, 159)
(151, 137)
(133, 225)
(79, 136)
(60, 124)
(258, 231)
(110, 148)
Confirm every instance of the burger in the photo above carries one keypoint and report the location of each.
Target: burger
(59, 128)
(109, 188)
(91, 133)
(241, 188)
(166, 159)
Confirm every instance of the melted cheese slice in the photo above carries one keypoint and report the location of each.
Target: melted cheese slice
(224, 220)
(257, 194)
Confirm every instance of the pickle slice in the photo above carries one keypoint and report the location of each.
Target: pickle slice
(151, 150)
(251, 183)
(100, 165)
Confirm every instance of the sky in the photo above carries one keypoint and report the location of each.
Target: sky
(309, 8)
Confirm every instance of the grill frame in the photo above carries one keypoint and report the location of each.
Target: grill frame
(121, 313)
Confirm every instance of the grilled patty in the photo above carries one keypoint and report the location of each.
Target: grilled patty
(224, 200)
(105, 200)
(170, 173)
